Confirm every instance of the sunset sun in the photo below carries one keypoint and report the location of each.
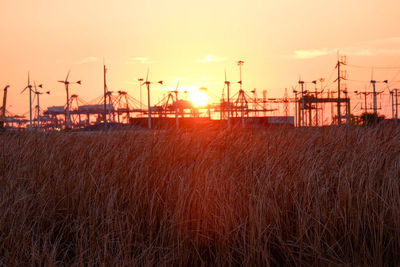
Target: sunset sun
(199, 98)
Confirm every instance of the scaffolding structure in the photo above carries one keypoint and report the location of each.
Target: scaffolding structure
(308, 104)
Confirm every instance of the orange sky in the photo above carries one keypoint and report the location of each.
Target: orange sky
(191, 41)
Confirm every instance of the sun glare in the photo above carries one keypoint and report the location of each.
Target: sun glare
(198, 98)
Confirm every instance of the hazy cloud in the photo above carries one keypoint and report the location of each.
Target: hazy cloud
(313, 53)
(380, 47)
(209, 58)
(88, 60)
(142, 60)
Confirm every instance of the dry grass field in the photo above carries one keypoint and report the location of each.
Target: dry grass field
(280, 197)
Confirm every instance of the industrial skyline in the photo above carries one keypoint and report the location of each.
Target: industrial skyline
(362, 82)
(320, 86)
(310, 103)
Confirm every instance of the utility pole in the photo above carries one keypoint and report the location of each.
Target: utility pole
(302, 102)
(347, 111)
(177, 110)
(68, 112)
(365, 93)
(295, 107)
(330, 95)
(30, 107)
(176, 106)
(321, 80)
(222, 105)
(341, 61)
(3, 111)
(110, 107)
(228, 83)
(229, 103)
(391, 95)
(37, 94)
(265, 102)
(254, 92)
(148, 103)
(396, 104)
(365, 101)
(374, 93)
(338, 105)
(38, 114)
(240, 64)
(374, 97)
(316, 102)
(105, 95)
(285, 102)
(140, 80)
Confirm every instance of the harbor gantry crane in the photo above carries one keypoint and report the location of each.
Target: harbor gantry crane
(3, 109)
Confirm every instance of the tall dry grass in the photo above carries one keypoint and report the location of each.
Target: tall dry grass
(326, 196)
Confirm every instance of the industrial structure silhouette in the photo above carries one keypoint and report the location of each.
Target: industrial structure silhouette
(310, 107)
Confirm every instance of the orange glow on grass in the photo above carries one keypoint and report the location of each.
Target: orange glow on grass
(198, 98)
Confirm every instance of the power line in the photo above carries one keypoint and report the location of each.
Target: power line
(372, 67)
(358, 81)
(329, 78)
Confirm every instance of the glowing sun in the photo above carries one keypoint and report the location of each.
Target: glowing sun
(198, 98)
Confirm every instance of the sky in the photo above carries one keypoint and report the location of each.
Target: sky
(194, 42)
